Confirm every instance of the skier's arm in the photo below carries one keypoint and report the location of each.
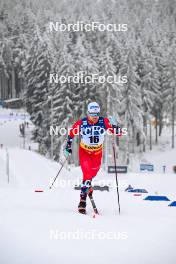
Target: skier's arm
(115, 129)
(73, 131)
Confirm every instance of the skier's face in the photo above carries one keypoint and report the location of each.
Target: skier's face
(93, 119)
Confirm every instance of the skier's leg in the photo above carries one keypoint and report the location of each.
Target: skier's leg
(90, 164)
(82, 203)
(95, 166)
(85, 189)
(96, 163)
(85, 162)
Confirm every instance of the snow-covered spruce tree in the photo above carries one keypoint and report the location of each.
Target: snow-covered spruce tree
(109, 85)
(170, 88)
(4, 69)
(131, 104)
(36, 73)
(148, 83)
(86, 66)
(157, 109)
(18, 25)
(62, 94)
(109, 90)
(6, 66)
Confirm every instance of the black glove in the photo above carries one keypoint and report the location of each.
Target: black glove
(68, 150)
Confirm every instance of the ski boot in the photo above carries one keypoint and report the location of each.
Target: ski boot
(82, 204)
(86, 188)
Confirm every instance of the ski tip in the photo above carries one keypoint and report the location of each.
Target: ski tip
(95, 215)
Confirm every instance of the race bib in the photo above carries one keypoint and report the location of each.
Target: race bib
(92, 135)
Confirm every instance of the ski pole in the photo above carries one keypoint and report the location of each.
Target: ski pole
(114, 153)
(58, 172)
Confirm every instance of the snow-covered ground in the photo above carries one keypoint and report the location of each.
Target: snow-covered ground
(161, 155)
(10, 120)
(46, 228)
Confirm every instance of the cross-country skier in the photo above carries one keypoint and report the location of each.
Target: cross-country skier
(92, 130)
